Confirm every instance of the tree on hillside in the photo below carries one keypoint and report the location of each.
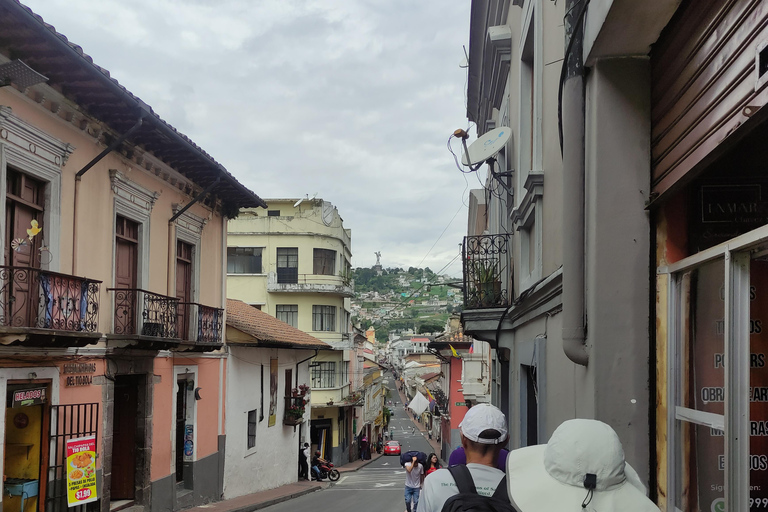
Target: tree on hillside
(428, 327)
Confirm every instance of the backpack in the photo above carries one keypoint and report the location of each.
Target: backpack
(421, 457)
(469, 501)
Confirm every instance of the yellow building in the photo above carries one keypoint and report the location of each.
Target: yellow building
(293, 261)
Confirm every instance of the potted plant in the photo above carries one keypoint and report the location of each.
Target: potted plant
(487, 281)
(294, 414)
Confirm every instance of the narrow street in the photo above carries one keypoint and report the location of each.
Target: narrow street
(377, 487)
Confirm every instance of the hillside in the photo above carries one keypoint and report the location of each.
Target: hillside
(401, 300)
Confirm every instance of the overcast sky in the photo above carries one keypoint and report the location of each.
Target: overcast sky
(351, 99)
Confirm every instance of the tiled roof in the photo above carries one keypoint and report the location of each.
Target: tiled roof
(72, 72)
(266, 329)
(419, 340)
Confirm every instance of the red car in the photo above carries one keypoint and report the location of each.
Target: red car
(392, 448)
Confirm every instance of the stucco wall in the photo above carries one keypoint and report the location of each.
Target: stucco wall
(248, 471)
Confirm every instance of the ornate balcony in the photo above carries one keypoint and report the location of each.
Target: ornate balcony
(43, 308)
(200, 327)
(312, 283)
(486, 271)
(145, 316)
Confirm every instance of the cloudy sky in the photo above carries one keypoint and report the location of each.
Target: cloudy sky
(351, 99)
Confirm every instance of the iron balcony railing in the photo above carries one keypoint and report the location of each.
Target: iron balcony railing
(206, 322)
(486, 271)
(35, 298)
(141, 312)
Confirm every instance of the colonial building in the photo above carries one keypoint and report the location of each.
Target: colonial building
(110, 329)
(293, 262)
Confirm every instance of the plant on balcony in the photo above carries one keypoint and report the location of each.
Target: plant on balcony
(302, 390)
(487, 280)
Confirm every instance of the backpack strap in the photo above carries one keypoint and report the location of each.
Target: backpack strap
(502, 494)
(463, 478)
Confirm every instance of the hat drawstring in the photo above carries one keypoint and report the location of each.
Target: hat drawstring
(590, 483)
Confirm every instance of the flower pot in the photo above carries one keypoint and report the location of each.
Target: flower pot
(489, 293)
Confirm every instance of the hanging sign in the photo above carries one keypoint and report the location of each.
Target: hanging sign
(81, 471)
(24, 397)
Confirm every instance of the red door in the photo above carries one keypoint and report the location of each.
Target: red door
(126, 270)
(183, 288)
(24, 203)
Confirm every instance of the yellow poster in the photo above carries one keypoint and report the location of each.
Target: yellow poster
(81, 471)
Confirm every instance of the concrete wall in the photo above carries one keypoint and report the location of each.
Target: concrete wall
(617, 188)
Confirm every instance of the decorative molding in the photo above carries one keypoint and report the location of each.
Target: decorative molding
(33, 141)
(189, 222)
(132, 194)
(534, 190)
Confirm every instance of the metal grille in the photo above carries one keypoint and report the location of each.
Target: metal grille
(68, 421)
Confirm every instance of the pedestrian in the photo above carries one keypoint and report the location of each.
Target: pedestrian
(414, 471)
(433, 464)
(483, 433)
(304, 462)
(364, 448)
(582, 467)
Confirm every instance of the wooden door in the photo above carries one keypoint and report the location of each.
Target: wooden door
(24, 203)
(183, 288)
(124, 438)
(126, 275)
(181, 422)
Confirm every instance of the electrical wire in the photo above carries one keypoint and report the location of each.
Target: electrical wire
(441, 235)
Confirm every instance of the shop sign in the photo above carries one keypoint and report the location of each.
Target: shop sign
(80, 369)
(81, 471)
(24, 397)
(189, 443)
(460, 404)
(724, 210)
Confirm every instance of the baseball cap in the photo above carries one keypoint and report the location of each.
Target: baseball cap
(484, 417)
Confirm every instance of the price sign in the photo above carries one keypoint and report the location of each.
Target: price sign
(81, 471)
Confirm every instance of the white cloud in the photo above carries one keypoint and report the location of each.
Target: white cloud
(354, 100)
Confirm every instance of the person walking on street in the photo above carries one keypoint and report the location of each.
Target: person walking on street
(433, 464)
(304, 462)
(483, 434)
(414, 472)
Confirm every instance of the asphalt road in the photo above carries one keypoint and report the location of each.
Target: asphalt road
(377, 487)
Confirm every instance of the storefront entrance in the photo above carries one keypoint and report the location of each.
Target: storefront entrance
(124, 442)
(26, 427)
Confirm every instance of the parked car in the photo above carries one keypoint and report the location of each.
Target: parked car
(392, 448)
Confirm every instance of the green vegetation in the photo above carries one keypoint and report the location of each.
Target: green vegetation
(406, 293)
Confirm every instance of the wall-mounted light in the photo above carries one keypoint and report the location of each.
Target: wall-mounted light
(32, 375)
(197, 394)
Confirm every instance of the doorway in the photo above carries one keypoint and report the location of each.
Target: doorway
(124, 440)
(185, 434)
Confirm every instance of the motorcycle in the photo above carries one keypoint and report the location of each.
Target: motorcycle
(327, 471)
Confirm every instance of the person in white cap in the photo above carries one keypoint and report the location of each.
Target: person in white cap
(581, 468)
(483, 434)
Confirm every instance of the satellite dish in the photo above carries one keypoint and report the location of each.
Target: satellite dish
(486, 146)
(297, 203)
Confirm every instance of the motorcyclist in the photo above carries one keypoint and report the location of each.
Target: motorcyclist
(316, 461)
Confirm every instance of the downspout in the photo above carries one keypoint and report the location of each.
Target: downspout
(304, 361)
(115, 144)
(572, 141)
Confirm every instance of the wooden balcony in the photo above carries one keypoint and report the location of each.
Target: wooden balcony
(47, 309)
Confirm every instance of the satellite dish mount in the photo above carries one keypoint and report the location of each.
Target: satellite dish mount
(484, 150)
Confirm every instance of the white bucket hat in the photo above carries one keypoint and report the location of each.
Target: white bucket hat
(580, 454)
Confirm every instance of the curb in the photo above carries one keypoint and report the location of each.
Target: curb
(274, 501)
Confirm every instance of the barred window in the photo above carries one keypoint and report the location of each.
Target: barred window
(323, 318)
(324, 262)
(244, 260)
(323, 375)
(288, 313)
(253, 418)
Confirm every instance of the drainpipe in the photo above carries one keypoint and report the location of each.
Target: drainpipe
(304, 361)
(115, 144)
(572, 107)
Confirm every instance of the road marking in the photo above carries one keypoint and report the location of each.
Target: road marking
(390, 484)
(342, 480)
